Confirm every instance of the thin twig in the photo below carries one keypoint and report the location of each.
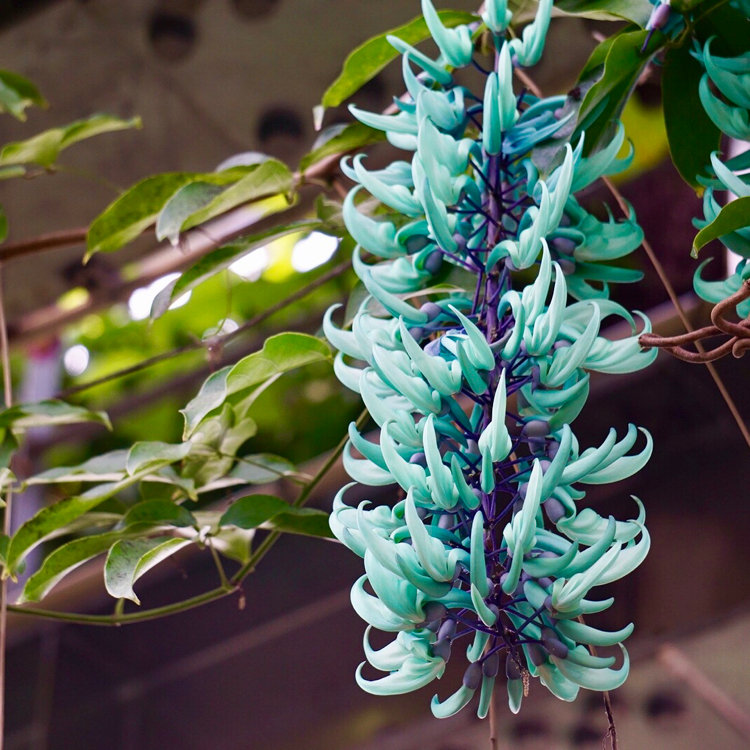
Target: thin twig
(8, 400)
(493, 723)
(723, 704)
(216, 342)
(683, 317)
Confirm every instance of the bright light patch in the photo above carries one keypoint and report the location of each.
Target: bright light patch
(313, 251)
(139, 304)
(251, 266)
(76, 360)
(228, 326)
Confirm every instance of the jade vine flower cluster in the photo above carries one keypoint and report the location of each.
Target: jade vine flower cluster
(724, 92)
(488, 549)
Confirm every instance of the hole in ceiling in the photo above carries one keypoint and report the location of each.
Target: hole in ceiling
(172, 36)
(252, 10)
(279, 122)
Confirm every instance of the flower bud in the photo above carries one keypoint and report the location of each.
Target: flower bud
(554, 508)
(473, 676)
(442, 649)
(491, 665)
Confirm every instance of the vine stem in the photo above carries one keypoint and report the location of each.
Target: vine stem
(231, 585)
(493, 724)
(8, 399)
(667, 284)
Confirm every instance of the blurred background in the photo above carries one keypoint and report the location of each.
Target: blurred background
(274, 667)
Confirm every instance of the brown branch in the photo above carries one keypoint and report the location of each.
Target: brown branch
(660, 272)
(49, 241)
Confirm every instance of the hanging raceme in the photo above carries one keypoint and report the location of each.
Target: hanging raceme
(491, 548)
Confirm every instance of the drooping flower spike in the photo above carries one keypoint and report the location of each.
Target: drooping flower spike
(488, 549)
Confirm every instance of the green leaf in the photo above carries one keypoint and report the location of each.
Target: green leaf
(233, 542)
(135, 210)
(158, 513)
(272, 512)
(44, 148)
(305, 521)
(17, 170)
(280, 353)
(108, 467)
(149, 454)
(691, 135)
(4, 541)
(636, 11)
(270, 177)
(605, 100)
(49, 413)
(3, 225)
(258, 468)
(735, 215)
(63, 560)
(129, 559)
(344, 138)
(220, 259)
(140, 206)
(17, 93)
(49, 520)
(186, 201)
(367, 60)
(252, 511)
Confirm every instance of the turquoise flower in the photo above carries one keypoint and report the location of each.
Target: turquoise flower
(488, 547)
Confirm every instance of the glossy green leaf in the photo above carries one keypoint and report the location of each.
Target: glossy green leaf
(129, 559)
(44, 148)
(605, 100)
(140, 206)
(149, 454)
(691, 134)
(274, 513)
(233, 542)
(4, 541)
(63, 560)
(344, 139)
(252, 511)
(16, 170)
(636, 11)
(48, 414)
(186, 201)
(220, 259)
(259, 468)
(135, 210)
(17, 93)
(305, 521)
(270, 177)
(158, 513)
(367, 60)
(280, 353)
(49, 520)
(108, 467)
(735, 215)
